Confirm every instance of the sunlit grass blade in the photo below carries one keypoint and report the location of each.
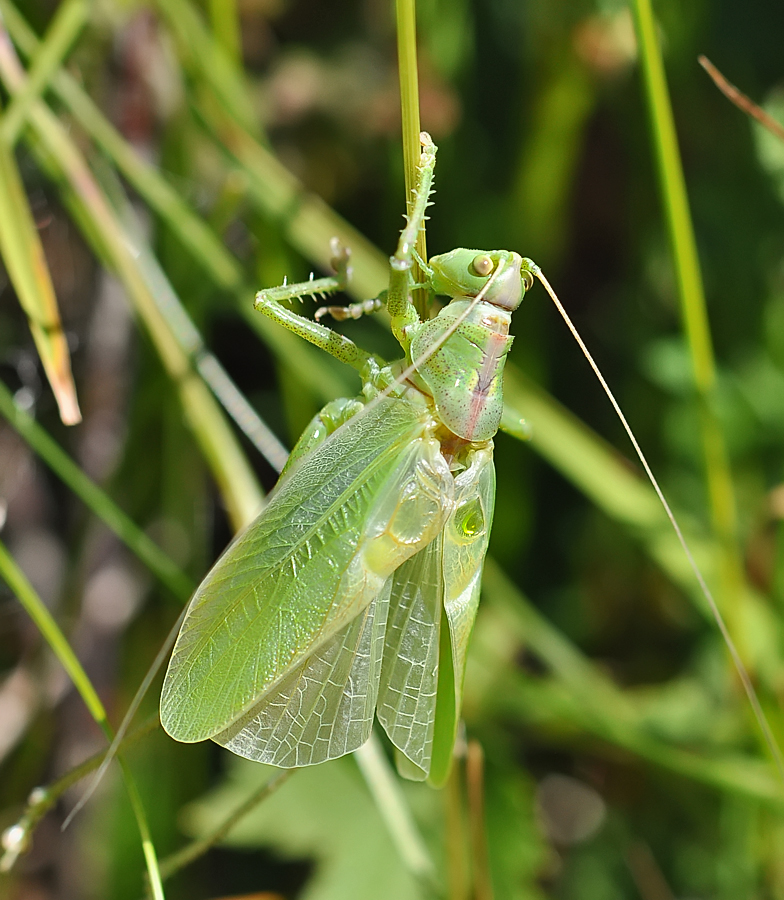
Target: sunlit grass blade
(50, 630)
(731, 585)
(63, 161)
(225, 19)
(25, 263)
(68, 21)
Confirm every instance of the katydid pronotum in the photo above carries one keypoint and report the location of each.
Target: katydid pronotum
(354, 592)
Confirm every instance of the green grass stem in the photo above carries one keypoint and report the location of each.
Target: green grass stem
(695, 320)
(68, 22)
(59, 156)
(17, 581)
(408, 72)
(147, 551)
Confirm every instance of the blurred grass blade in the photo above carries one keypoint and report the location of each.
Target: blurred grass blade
(173, 863)
(68, 21)
(209, 61)
(60, 156)
(695, 319)
(95, 499)
(189, 338)
(225, 19)
(43, 799)
(25, 263)
(391, 803)
(582, 696)
(275, 190)
(17, 581)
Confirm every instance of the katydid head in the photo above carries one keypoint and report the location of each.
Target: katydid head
(465, 273)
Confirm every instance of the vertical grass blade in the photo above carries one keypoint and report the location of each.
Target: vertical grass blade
(695, 320)
(405, 14)
(225, 19)
(50, 630)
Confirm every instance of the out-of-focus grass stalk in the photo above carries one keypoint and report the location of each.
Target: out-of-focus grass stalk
(732, 589)
(225, 20)
(458, 876)
(95, 499)
(217, 70)
(68, 21)
(580, 696)
(59, 155)
(391, 803)
(408, 72)
(25, 263)
(308, 221)
(21, 587)
(42, 799)
(173, 863)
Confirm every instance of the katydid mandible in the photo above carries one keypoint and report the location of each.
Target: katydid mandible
(355, 590)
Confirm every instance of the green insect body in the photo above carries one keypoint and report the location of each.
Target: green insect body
(354, 592)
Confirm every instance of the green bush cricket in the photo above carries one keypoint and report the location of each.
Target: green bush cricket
(355, 590)
(353, 594)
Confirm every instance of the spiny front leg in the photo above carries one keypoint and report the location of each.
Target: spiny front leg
(268, 301)
(314, 287)
(399, 304)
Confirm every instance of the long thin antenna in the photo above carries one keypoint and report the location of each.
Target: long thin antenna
(738, 662)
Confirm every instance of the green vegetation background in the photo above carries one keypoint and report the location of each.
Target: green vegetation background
(621, 757)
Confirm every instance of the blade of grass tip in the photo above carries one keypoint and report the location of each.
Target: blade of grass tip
(405, 15)
(690, 289)
(60, 157)
(25, 263)
(198, 238)
(94, 498)
(69, 19)
(744, 103)
(18, 583)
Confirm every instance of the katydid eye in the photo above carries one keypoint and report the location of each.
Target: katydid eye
(482, 265)
(528, 280)
(469, 521)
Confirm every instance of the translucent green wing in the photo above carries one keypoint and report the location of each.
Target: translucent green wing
(409, 674)
(371, 495)
(324, 709)
(424, 663)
